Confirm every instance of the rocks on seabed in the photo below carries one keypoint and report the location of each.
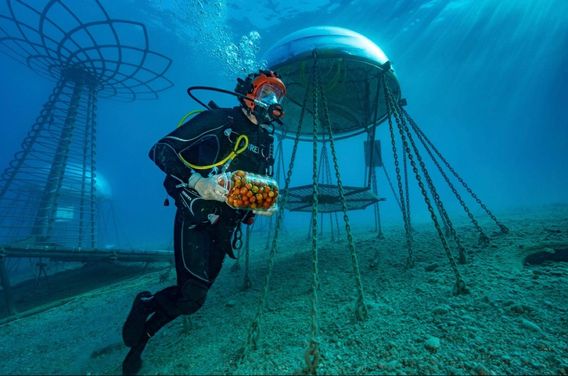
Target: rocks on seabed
(432, 344)
(431, 267)
(441, 309)
(393, 364)
(519, 308)
(481, 370)
(383, 308)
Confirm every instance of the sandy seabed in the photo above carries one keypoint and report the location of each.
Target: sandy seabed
(513, 321)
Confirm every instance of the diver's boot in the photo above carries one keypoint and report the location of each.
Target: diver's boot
(133, 361)
(133, 329)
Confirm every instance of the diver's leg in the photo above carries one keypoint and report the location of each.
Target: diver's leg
(191, 247)
(134, 334)
(133, 327)
(191, 298)
(201, 247)
(206, 251)
(145, 303)
(133, 360)
(221, 235)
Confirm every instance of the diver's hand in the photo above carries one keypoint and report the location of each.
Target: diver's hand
(208, 188)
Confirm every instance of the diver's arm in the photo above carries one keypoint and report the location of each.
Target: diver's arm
(165, 153)
(167, 159)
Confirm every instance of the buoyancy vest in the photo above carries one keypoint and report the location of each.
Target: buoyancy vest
(226, 125)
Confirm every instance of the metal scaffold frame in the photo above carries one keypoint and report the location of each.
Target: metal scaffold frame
(48, 192)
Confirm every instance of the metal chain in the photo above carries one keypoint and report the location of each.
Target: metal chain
(503, 228)
(407, 192)
(439, 204)
(279, 168)
(247, 284)
(483, 238)
(311, 355)
(333, 215)
(322, 177)
(392, 188)
(254, 330)
(361, 311)
(460, 284)
(401, 201)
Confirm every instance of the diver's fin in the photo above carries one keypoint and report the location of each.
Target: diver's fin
(133, 361)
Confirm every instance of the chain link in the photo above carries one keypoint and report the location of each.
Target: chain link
(332, 216)
(279, 171)
(321, 176)
(441, 209)
(361, 312)
(483, 238)
(312, 353)
(401, 201)
(254, 331)
(407, 192)
(392, 188)
(311, 357)
(460, 284)
(247, 284)
(503, 228)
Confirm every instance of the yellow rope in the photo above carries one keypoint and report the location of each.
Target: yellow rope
(236, 151)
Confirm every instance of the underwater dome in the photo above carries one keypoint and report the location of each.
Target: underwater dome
(350, 68)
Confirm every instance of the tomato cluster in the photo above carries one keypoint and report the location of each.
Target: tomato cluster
(250, 191)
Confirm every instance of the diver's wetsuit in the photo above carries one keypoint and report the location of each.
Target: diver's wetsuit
(203, 229)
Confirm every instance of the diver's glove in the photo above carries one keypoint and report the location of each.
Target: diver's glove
(208, 188)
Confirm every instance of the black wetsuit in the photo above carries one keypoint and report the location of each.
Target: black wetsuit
(203, 229)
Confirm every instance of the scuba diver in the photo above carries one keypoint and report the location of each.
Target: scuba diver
(205, 227)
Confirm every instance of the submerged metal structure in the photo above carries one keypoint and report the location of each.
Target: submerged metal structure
(48, 192)
(341, 84)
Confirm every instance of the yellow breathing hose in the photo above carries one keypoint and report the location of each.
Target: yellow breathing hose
(236, 150)
(184, 118)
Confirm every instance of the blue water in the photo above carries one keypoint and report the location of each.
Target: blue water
(485, 80)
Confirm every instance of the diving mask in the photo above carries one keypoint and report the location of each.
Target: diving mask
(268, 104)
